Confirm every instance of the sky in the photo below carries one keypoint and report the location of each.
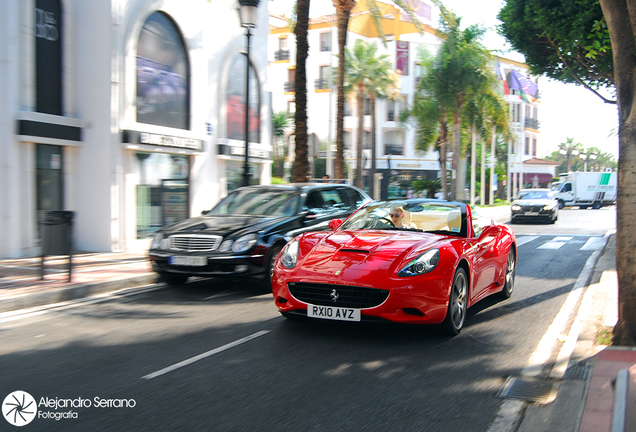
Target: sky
(565, 111)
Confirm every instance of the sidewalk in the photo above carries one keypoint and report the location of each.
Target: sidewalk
(585, 399)
(21, 285)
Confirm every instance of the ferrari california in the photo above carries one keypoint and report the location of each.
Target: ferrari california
(419, 261)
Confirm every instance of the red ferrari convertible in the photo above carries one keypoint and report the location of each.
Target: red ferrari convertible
(409, 261)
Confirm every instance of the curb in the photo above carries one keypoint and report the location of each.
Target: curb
(73, 292)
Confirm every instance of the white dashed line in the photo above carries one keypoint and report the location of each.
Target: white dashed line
(204, 355)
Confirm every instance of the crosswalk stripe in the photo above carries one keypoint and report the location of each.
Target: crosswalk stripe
(525, 239)
(594, 243)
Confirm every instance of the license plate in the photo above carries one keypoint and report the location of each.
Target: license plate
(333, 313)
(192, 261)
(532, 213)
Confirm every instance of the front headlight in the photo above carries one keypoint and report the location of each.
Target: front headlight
(549, 207)
(290, 255)
(422, 264)
(516, 207)
(244, 243)
(157, 240)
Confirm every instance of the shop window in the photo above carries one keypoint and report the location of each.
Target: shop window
(163, 88)
(162, 190)
(236, 102)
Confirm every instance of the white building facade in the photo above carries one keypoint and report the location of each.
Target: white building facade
(130, 113)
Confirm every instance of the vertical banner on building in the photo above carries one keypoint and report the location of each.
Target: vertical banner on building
(402, 57)
(48, 56)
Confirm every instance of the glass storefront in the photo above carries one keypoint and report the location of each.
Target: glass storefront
(234, 174)
(49, 177)
(162, 190)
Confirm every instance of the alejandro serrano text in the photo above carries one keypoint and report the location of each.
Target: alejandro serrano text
(97, 402)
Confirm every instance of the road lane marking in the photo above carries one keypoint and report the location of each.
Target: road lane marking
(551, 245)
(509, 413)
(594, 243)
(521, 240)
(204, 355)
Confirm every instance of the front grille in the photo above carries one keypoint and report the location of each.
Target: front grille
(347, 296)
(195, 242)
(536, 208)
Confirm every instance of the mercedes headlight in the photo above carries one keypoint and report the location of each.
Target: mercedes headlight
(244, 243)
(157, 240)
(290, 255)
(422, 264)
(516, 207)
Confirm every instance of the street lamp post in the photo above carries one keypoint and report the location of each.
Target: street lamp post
(247, 15)
(586, 157)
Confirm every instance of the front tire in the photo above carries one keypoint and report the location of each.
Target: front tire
(174, 279)
(509, 281)
(457, 305)
(270, 266)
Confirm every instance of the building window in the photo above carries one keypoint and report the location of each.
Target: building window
(325, 75)
(325, 41)
(527, 146)
(236, 102)
(391, 110)
(534, 146)
(48, 57)
(367, 106)
(290, 84)
(347, 108)
(163, 88)
(282, 53)
(291, 107)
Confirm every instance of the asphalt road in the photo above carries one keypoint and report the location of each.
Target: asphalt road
(215, 355)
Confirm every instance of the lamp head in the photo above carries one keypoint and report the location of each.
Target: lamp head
(247, 12)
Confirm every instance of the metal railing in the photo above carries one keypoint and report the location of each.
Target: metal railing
(532, 123)
(393, 149)
(281, 55)
(321, 84)
(289, 86)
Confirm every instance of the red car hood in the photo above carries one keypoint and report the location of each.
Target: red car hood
(352, 255)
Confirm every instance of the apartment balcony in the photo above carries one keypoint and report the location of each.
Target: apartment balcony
(289, 86)
(532, 124)
(393, 149)
(281, 55)
(321, 84)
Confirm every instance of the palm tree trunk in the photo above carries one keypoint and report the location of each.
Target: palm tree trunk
(343, 10)
(301, 161)
(442, 156)
(373, 149)
(358, 181)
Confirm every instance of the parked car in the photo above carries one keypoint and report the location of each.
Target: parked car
(429, 269)
(244, 232)
(535, 204)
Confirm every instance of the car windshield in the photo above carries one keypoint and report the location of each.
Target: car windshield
(443, 217)
(529, 195)
(262, 202)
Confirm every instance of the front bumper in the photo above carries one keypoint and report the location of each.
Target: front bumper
(234, 265)
(532, 214)
(412, 300)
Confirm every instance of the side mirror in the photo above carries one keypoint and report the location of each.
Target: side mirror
(309, 215)
(334, 224)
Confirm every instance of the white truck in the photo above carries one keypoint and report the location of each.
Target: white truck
(586, 189)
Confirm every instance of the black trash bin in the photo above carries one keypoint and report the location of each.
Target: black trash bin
(56, 228)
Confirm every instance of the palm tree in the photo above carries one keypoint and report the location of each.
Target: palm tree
(365, 71)
(343, 12)
(466, 63)
(301, 160)
(483, 113)
(432, 105)
(383, 84)
(569, 149)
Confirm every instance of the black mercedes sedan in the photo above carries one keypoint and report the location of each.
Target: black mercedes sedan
(243, 233)
(535, 204)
